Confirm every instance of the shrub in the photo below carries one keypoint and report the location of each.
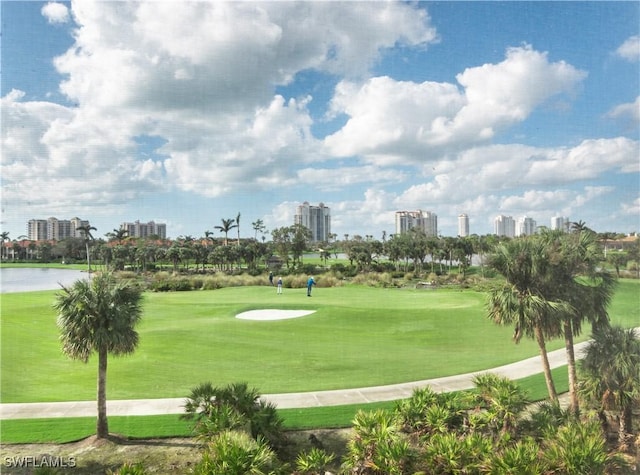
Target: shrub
(578, 448)
(313, 462)
(236, 453)
(233, 407)
(378, 446)
(129, 469)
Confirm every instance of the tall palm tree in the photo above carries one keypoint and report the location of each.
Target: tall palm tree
(258, 226)
(610, 373)
(238, 227)
(227, 225)
(99, 316)
(86, 234)
(5, 238)
(520, 302)
(576, 278)
(117, 235)
(578, 226)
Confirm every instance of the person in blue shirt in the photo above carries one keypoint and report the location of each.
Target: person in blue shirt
(310, 283)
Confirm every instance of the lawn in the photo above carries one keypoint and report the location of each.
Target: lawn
(69, 429)
(359, 336)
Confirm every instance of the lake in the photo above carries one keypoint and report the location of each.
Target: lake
(30, 279)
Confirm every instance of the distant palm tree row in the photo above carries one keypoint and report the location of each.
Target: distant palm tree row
(413, 250)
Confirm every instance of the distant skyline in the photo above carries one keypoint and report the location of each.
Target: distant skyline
(189, 112)
(389, 230)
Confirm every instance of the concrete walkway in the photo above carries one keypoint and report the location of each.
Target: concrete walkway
(139, 407)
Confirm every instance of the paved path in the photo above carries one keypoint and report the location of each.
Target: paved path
(139, 407)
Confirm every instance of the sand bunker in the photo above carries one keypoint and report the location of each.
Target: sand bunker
(273, 314)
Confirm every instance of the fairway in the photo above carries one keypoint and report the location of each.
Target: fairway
(355, 337)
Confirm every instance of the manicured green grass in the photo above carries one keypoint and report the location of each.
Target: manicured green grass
(55, 430)
(50, 265)
(359, 336)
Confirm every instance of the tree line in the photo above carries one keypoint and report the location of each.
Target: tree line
(413, 250)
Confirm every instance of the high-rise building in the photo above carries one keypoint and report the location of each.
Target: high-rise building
(75, 224)
(560, 222)
(315, 218)
(54, 229)
(504, 226)
(463, 225)
(144, 230)
(407, 220)
(526, 226)
(37, 229)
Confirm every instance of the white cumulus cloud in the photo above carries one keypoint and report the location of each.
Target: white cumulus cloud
(55, 12)
(630, 49)
(391, 120)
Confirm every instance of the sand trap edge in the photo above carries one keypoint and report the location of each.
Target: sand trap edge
(273, 314)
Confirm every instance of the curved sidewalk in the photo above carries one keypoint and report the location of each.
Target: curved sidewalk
(140, 407)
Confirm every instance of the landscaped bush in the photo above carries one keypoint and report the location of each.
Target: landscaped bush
(296, 281)
(374, 279)
(329, 280)
(233, 407)
(236, 453)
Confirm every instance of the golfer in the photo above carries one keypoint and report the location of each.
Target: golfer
(279, 285)
(310, 283)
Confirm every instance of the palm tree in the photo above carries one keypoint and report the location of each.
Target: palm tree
(520, 301)
(575, 277)
(579, 226)
(504, 400)
(99, 316)
(117, 235)
(610, 373)
(258, 226)
(5, 238)
(86, 234)
(238, 227)
(227, 225)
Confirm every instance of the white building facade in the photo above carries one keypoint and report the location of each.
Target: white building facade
(463, 225)
(561, 223)
(144, 230)
(315, 218)
(504, 226)
(526, 226)
(427, 221)
(54, 229)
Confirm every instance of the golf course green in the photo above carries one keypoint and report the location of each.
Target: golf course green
(358, 336)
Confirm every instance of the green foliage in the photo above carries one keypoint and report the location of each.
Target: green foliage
(378, 446)
(129, 469)
(521, 458)
(233, 407)
(578, 448)
(47, 471)
(313, 462)
(236, 453)
(427, 412)
(545, 420)
(503, 399)
(610, 376)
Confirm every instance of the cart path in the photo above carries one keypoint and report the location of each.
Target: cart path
(142, 407)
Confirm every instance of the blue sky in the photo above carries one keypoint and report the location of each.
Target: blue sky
(191, 112)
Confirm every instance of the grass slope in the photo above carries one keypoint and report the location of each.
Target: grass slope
(64, 430)
(359, 336)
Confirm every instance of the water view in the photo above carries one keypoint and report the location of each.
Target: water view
(27, 280)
